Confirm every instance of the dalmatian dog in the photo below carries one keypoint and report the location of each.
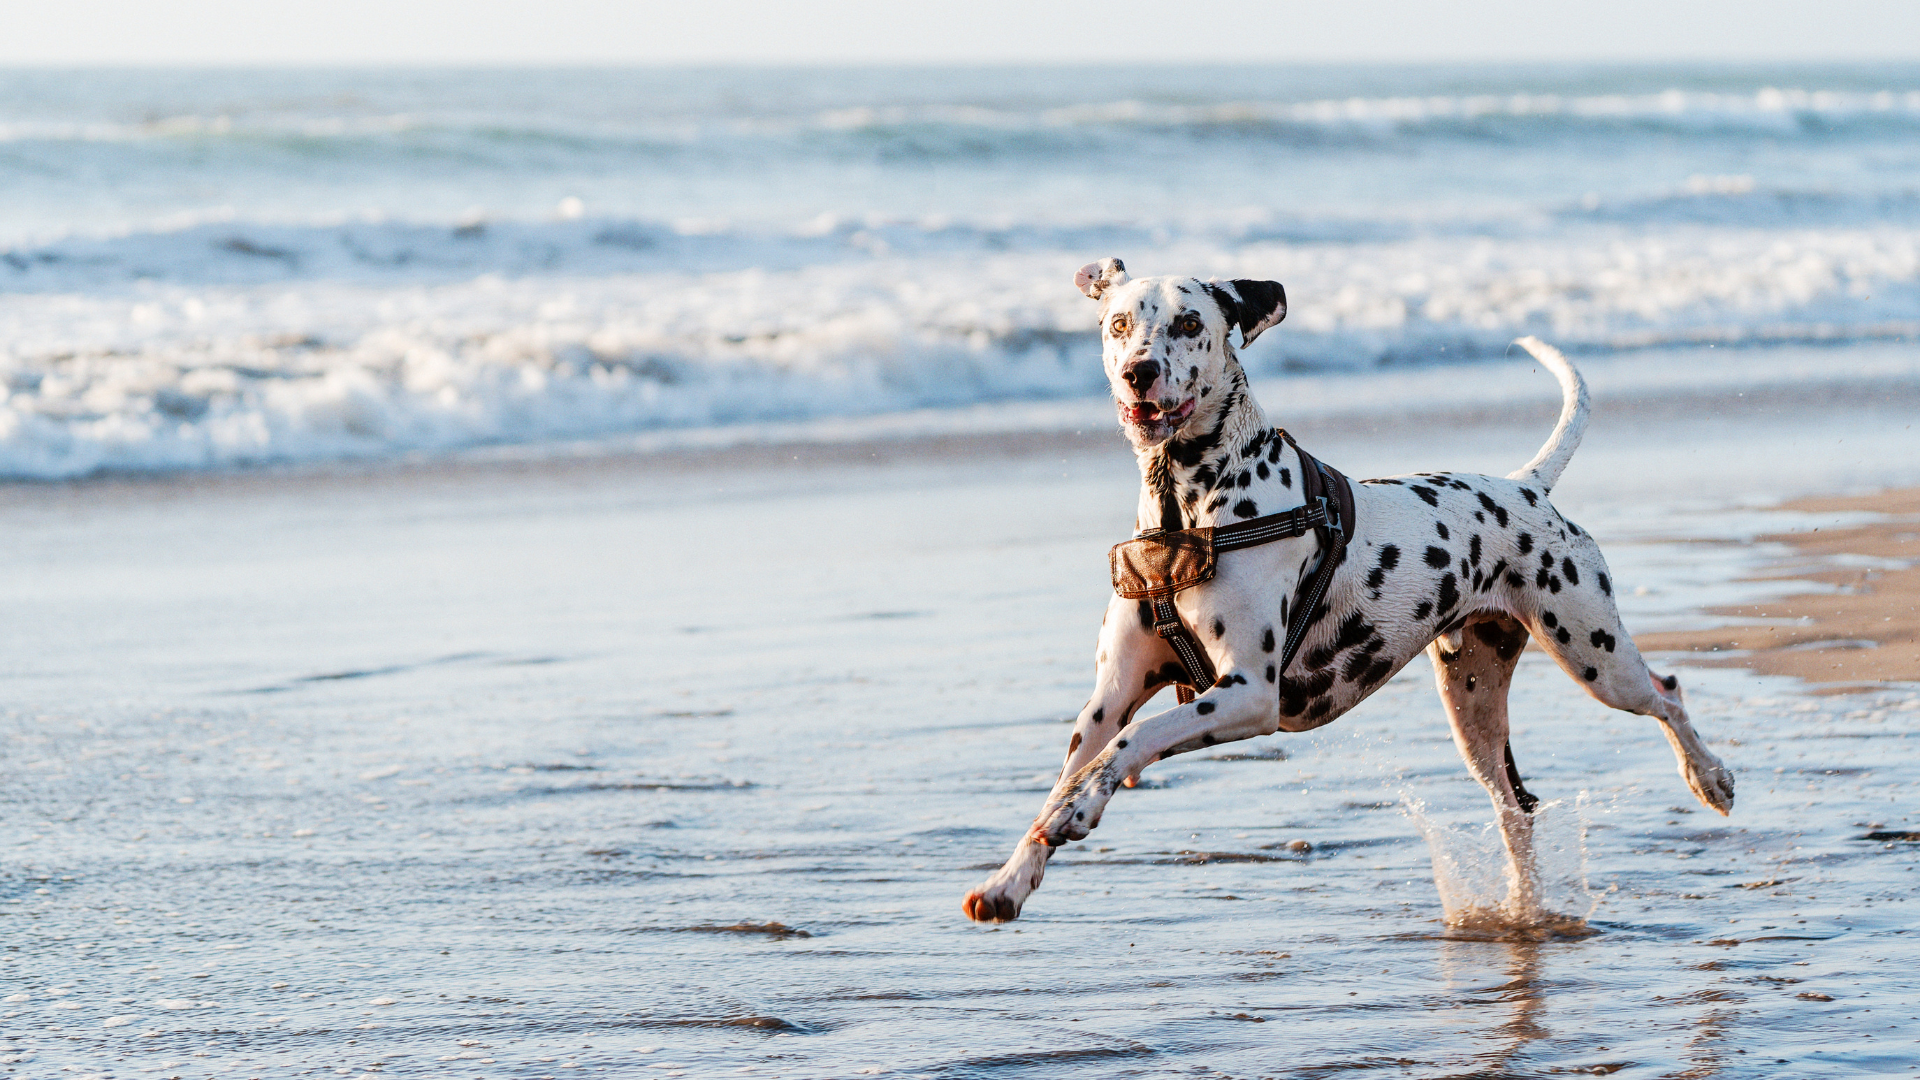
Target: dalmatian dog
(1463, 566)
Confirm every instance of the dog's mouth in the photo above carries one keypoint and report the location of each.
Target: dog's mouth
(1151, 418)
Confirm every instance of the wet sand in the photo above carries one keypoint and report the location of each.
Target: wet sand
(1860, 631)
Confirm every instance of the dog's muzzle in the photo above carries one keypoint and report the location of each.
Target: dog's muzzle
(1147, 414)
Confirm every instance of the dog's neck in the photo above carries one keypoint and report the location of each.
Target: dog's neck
(1191, 479)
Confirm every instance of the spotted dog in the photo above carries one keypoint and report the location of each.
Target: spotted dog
(1464, 566)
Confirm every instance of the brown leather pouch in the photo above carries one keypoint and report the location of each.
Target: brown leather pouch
(1161, 564)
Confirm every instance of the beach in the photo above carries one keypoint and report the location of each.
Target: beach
(685, 760)
(528, 573)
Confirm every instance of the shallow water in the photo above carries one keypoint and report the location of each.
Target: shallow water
(507, 771)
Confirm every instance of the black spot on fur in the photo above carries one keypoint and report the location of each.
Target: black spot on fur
(1261, 468)
(1266, 640)
(1514, 580)
(1389, 557)
(1473, 551)
(1553, 584)
(1232, 680)
(1353, 631)
(1170, 672)
(1532, 499)
(1203, 708)
(1506, 638)
(1099, 715)
(1563, 635)
(1146, 614)
(1525, 540)
(1546, 559)
(1427, 494)
(1273, 452)
(1295, 693)
(1600, 639)
(1605, 585)
(1493, 575)
(1591, 674)
(1671, 682)
(1219, 628)
(1320, 708)
(1286, 478)
(1216, 503)
(1245, 479)
(1357, 665)
(1270, 673)
(1499, 512)
(1441, 528)
(1567, 568)
(1122, 744)
(1438, 558)
(1449, 592)
(1540, 579)
(1550, 619)
(1422, 610)
(1380, 670)
(1245, 508)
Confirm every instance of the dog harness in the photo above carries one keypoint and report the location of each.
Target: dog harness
(1158, 564)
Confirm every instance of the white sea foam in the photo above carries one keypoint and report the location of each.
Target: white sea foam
(288, 344)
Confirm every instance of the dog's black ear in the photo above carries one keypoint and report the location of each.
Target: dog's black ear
(1095, 279)
(1251, 305)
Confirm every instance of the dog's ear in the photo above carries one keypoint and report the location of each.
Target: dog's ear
(1095, 279)
(1251, 305)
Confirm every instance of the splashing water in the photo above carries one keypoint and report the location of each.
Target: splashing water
(1474, 876)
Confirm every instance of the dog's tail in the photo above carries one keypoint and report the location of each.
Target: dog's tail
(1546, 466)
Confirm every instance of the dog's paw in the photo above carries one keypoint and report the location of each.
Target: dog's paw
(1712, 784)
(990, 905)
(998, 898)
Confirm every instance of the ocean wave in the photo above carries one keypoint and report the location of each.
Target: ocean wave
(223, 250)
(1766, 111)
(165, 373)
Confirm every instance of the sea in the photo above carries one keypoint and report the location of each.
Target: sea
(205, 269)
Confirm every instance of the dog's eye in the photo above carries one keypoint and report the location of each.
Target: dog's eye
(1190, 323)
(1120, 325)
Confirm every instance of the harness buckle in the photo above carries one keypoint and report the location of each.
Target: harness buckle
(1330, 515)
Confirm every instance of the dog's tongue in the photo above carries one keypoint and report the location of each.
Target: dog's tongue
(1143, 412)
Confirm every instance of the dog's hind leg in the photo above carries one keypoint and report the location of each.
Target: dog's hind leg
(1132, 664)
(1581, 630)
(1473, 671)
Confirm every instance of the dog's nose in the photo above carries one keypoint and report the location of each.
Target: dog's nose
(1140, 376)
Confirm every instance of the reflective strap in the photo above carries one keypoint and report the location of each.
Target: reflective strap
(1166, 623)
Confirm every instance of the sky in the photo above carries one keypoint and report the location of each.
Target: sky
(560, 32)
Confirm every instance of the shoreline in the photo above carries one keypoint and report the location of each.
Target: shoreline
(1860, 634)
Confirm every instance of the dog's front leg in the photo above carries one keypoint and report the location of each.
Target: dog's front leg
(1131, 665)
(1236, 708)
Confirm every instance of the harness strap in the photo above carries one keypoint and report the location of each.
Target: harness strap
(1328, 511)
(1319, 480)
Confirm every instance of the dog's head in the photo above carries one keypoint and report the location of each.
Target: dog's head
(1164, 341)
